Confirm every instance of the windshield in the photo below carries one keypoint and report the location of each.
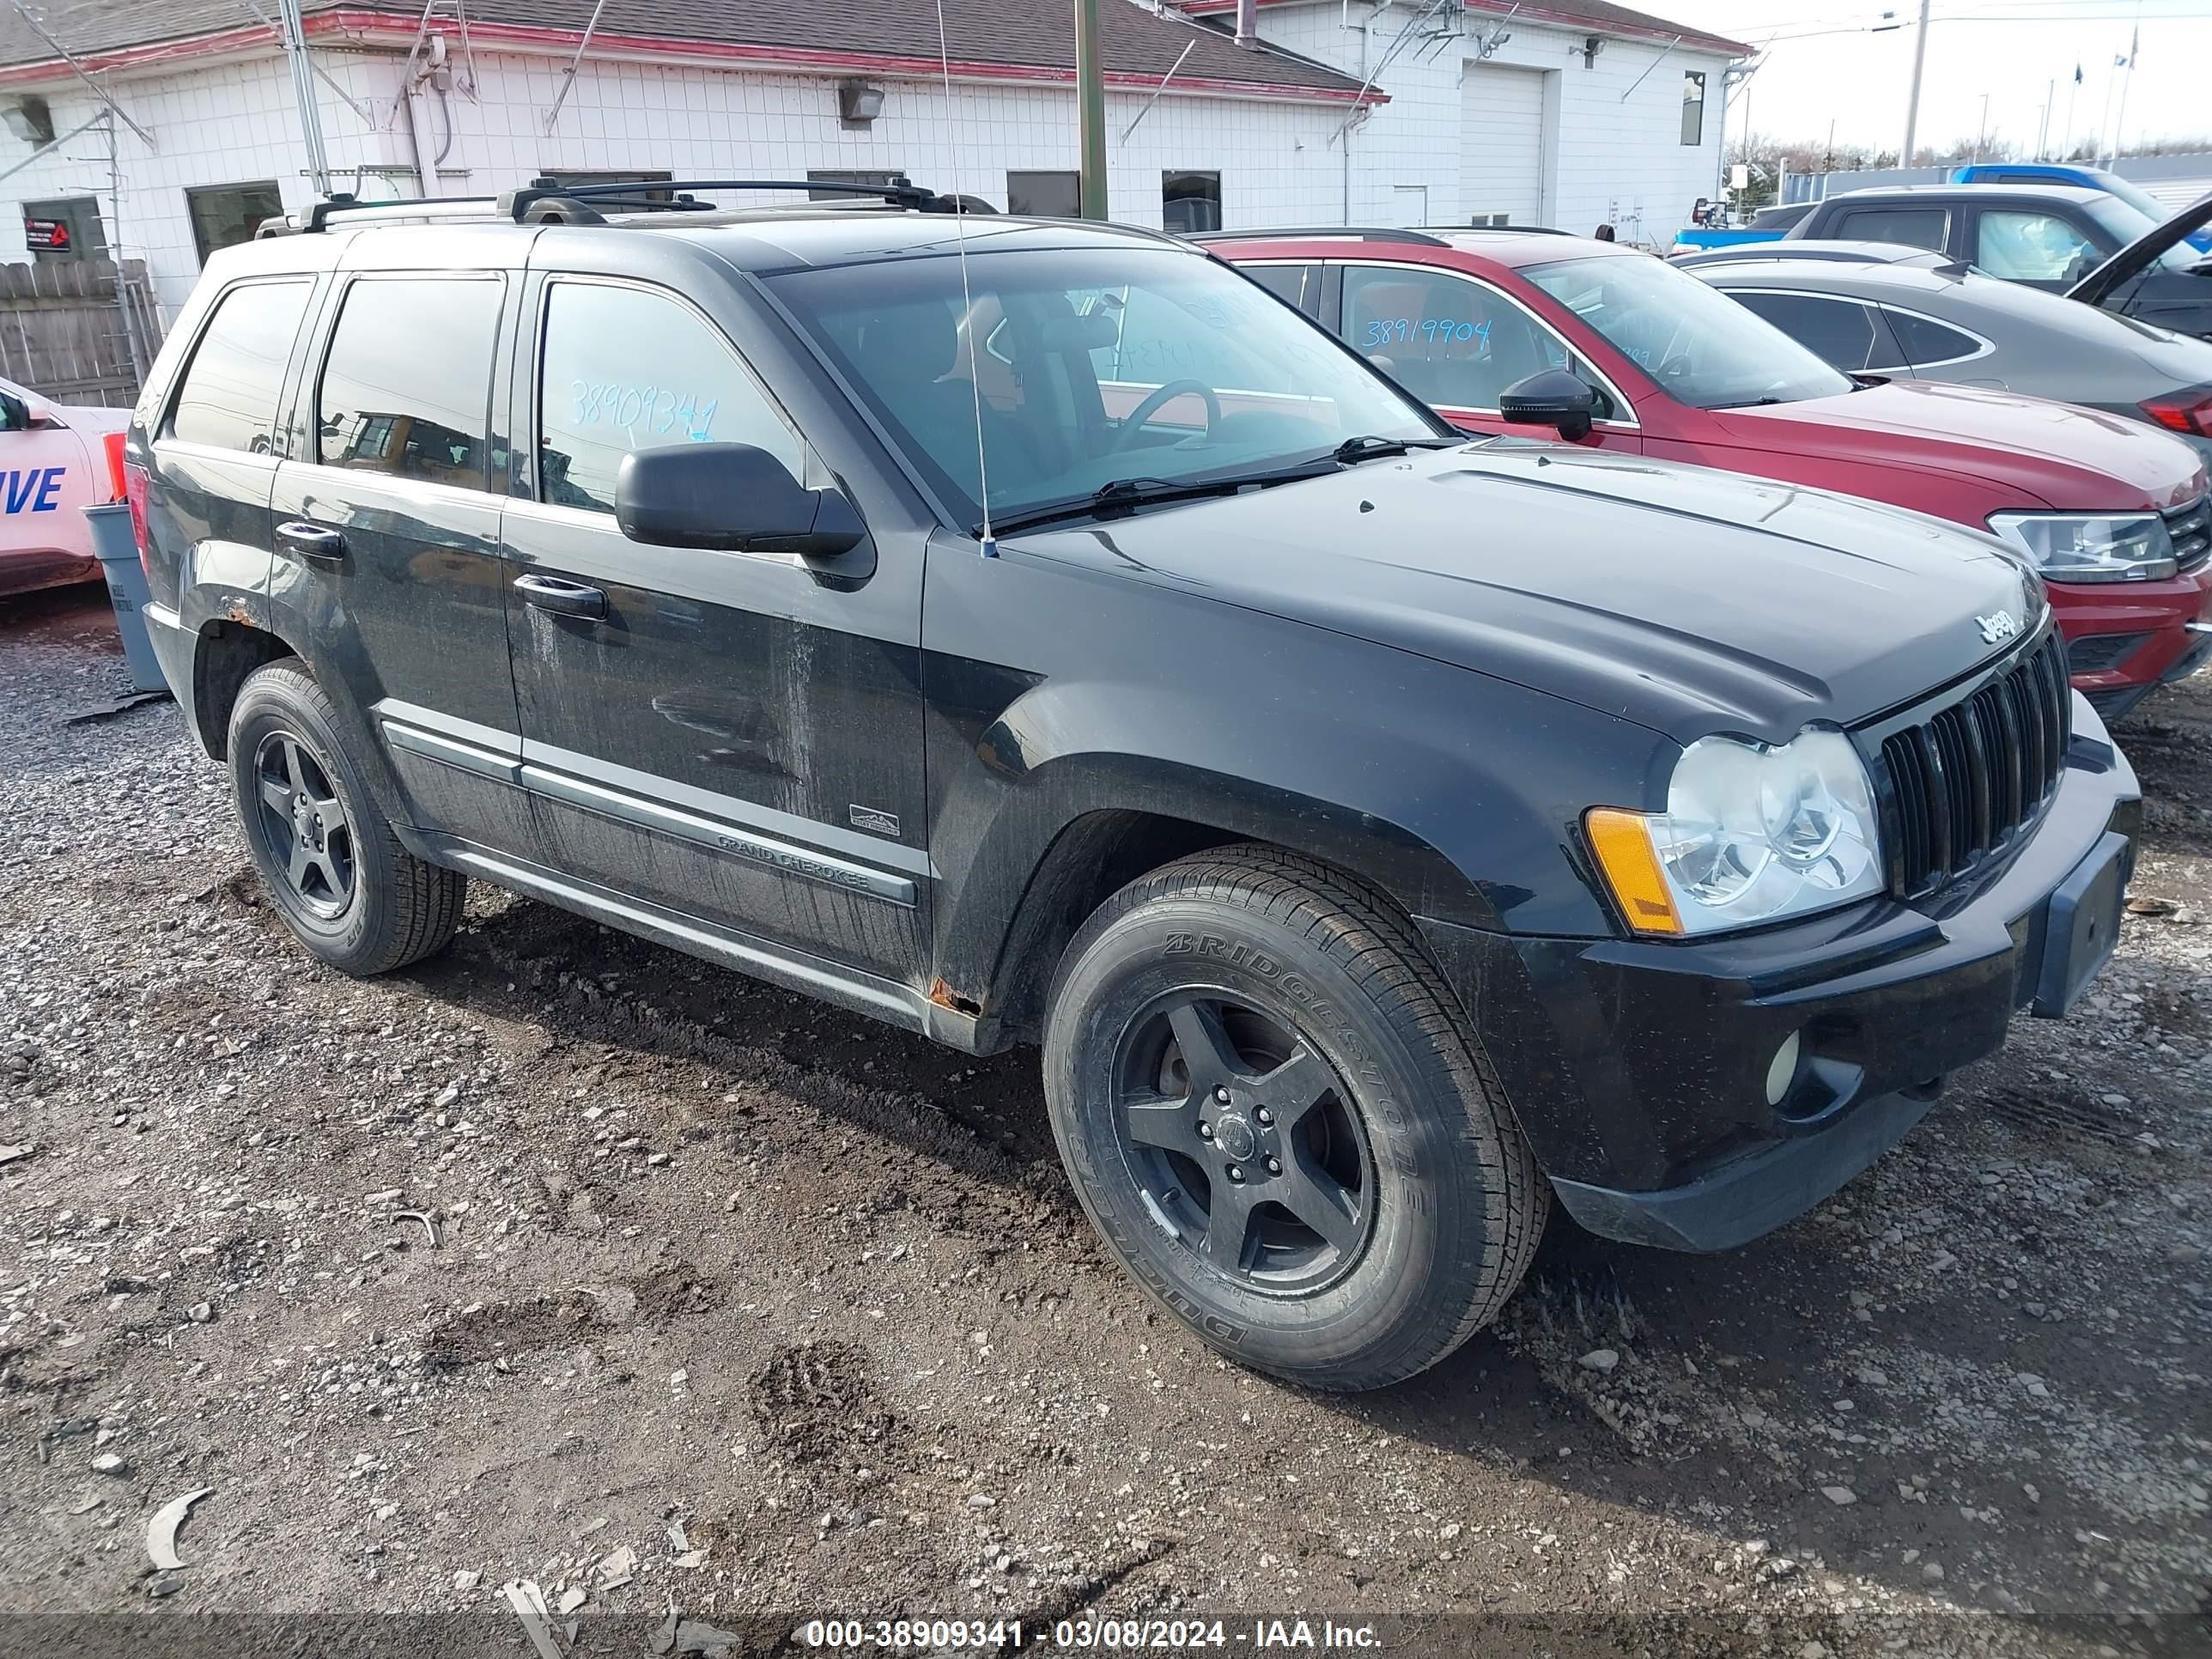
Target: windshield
(1094, 366)
(1702, 347)
(2132, 224)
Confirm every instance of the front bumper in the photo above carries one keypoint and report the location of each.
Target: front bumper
(2125, 640)
(1638, 1069)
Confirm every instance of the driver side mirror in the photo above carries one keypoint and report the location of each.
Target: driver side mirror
(14, 413)
(730, 498)
(1551, 398)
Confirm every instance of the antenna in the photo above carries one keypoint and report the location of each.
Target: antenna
(990, 543)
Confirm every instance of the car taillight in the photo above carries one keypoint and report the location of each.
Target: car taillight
(2189, 411)
(136, 482)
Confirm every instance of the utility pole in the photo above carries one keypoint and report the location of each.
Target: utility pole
(293, 38)
(1091, 112)
(2135, 45)
(1912, 98)
(1982, 134)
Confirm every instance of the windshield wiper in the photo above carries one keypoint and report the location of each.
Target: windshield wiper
(1367, 446)
(1126, 495)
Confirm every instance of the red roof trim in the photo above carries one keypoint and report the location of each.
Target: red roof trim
(1540, 13)
(799, 59)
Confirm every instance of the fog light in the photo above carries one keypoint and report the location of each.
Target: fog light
(1783, 1070)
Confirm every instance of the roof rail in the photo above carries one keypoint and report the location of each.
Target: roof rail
(547, 201)
(319, 213)
(901, 193)
(1348, 232)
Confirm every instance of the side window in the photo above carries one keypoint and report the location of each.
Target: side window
(1445, 339)
(1843, 331)
(1300, 284)
(2023, 245)
(622, 369)
(1915, 227)
(228, 398)
(406, 388)
(1926, 344)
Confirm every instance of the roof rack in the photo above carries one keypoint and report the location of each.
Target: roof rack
(1346, 233)
(547, 201)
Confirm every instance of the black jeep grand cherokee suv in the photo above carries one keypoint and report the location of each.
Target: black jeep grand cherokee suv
(1380, 832)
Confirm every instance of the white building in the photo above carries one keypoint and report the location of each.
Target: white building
(1363, 111)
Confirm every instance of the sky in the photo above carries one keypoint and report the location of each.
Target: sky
(1824, 64)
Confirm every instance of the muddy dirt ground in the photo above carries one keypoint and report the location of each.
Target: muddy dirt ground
(567, 1259)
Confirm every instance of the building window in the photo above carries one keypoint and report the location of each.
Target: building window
(223, 214)
(1190, 201)
(612, 176)
(1048, 195)
(1693, 107)
(849, 176)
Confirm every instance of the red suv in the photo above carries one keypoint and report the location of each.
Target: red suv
(1506, 331)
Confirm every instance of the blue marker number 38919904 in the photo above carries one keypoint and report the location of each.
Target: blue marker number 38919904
(31, 490)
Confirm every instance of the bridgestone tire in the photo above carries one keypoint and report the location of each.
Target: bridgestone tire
(1457, 1202)
(397, 908)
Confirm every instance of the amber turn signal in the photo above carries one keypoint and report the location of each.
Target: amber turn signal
(1622, 843)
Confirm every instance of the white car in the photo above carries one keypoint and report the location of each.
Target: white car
(53, 464)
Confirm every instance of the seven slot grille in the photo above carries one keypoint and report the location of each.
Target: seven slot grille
(1963, 778)
(2190, 526)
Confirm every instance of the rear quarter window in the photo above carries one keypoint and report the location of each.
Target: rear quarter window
(228, 397)
(1926, 343)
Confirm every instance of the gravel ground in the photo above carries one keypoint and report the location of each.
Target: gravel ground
(567, 1259)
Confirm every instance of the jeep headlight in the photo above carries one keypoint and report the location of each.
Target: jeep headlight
(2091, 547)
(1750, 833)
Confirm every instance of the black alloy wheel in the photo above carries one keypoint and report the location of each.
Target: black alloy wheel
(1237, 1135)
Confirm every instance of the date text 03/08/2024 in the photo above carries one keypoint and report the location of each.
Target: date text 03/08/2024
(1129, 1635)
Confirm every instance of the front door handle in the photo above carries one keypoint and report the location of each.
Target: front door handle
(312, 541)
(563, 598)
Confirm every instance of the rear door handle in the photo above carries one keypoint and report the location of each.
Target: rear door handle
(563, 598)
(312, 541)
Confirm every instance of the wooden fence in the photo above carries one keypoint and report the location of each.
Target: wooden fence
(67, 334)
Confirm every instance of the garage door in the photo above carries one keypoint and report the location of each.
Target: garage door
(1502, 130)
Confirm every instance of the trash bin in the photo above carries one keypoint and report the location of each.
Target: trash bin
(115, 546)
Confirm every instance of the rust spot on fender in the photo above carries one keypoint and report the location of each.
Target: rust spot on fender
(236, 611)
(945, 997)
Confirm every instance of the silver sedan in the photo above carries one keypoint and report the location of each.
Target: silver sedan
(1876, 308)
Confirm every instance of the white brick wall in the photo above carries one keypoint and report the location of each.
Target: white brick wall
(229, 123)
(1614, 156)
(238, 122)
(1281, 161)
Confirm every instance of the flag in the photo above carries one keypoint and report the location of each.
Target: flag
(2077, 75)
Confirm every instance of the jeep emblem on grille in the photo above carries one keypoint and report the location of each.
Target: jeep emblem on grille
(1998, 626)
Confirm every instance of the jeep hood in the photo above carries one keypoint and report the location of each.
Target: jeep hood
(1686, 599)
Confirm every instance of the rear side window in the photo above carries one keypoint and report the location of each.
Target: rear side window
(1925, 343)
(625, 369)
(406, 389)
(1846, 333)
(1915, 227)
(2024, 247)
(228, 399)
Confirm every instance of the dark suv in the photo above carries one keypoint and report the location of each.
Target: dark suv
(1023, 630)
